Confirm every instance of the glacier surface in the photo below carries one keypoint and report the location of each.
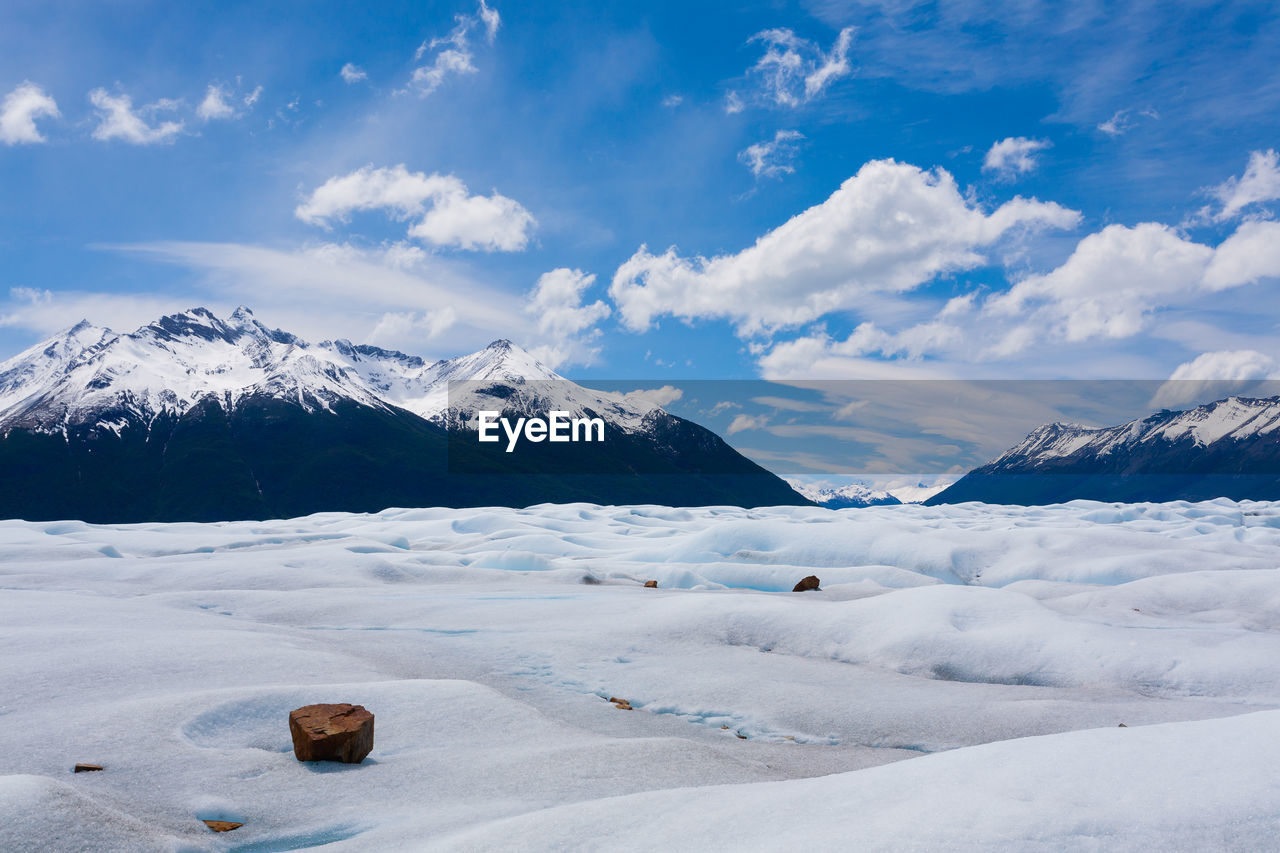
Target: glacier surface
(957, 683)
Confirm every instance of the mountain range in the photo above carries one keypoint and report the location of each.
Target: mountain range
(1228, 448)
(845, 497)
(198, 418)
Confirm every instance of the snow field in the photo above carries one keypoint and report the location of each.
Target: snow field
(957, 684)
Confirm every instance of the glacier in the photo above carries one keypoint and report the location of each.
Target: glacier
(958, 683)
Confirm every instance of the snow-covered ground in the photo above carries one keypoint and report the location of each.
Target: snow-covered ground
(957, 684)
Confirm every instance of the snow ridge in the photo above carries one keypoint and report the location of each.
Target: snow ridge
(91, 375)
(1233, 419)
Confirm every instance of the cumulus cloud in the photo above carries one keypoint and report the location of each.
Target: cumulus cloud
(1215, 374)
(794, 70)
(117, 119)
(888, 229)
(352, 73)
(451, 55)
(1014, 156)
(1260, 183)
(19, 111)
(442, 211)
(773, 158)
(1117, 278)
(562, 319)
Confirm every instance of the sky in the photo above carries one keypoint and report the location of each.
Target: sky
(804, 191)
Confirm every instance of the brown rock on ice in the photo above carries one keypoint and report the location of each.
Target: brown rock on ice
(331, 732)
(87, 768)
(221, 825)
(807, 584)
(651, 584)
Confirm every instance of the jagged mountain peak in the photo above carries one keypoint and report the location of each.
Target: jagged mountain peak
(175, 361)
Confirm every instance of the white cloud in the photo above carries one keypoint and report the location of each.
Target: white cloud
(395, 327)
(563, 321)
(1228, 364)
(428, 78)
(445, 214)
(453, 55)
(733, 103)
(888, 229)
(1014, 156)
(432, 307)
(1260, 183)
(215, 107)
(252, 98)
(1116, 278)
(773, 158)
(671, 101)
(794, 70)
(352, 73)
(118, 120)
(1117, 125)
(20, 109)
(664, 396)
(742, 423)
(491, 19)
(1215, 374)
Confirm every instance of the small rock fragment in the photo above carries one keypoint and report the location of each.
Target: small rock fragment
(221, 825)
(590, 580)
(621, 704)
(87, 768)
(1122, 726)
(650, 584)
(331, 732)
(724, 728)
(806, 584)
(741, 736)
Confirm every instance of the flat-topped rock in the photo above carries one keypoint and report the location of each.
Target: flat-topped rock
(331, 732)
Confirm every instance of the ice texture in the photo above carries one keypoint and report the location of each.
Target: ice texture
(958, 683)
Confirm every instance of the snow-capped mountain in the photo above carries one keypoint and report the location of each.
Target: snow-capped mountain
(1228, 448)
(196, 417)
(92, 375)
(844, 497)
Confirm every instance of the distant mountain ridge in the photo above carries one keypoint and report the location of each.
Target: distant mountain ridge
(1227, 448)
(845, 497)
(195, 417)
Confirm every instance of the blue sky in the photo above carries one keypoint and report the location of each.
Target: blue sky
(823, 190)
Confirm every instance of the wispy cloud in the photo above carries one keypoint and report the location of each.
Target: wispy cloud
(452, 55)
(1259, 184)
(794, 70)
(772, 158)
